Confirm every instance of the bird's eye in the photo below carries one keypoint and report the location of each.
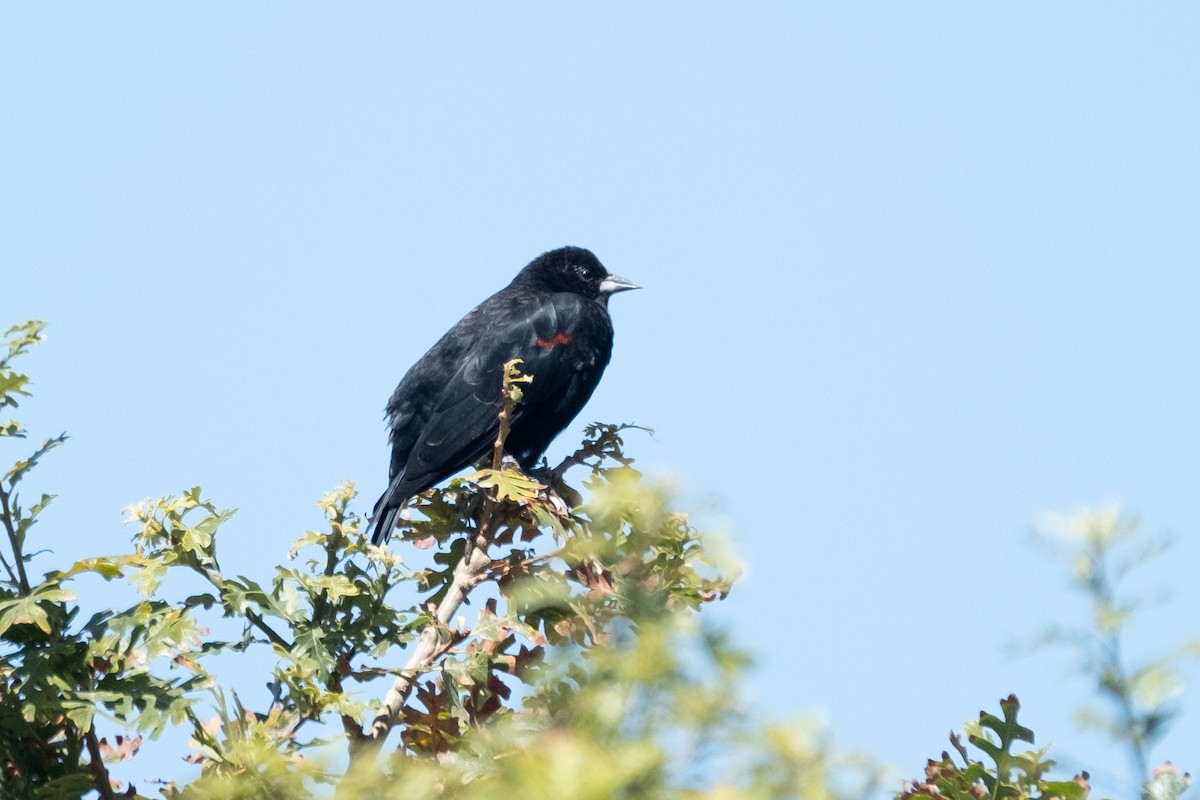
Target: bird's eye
(583, 271)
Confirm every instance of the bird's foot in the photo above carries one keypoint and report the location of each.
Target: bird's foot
(558, 495)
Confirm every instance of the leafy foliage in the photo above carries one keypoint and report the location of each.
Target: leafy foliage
(585, 669)
(1103, 548)
(1167, 783)
(1004, 773)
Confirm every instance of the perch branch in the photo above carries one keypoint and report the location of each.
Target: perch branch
(471, 569)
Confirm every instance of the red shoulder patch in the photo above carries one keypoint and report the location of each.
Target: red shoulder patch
(555, 340)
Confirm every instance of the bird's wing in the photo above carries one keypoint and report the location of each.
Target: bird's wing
(419, 391)
(463, 423)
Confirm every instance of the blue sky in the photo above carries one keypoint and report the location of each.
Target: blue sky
(914, 275)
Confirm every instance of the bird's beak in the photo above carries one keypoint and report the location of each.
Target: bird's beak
(615, 283)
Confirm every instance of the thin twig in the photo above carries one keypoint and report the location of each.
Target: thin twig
(594, 448)
(6, 511)
(543, 558)
(262, 625)
(579, 457)
(1105, 595)
(251, 615)
(12, 577)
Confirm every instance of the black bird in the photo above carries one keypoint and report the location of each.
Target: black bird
(444, 415)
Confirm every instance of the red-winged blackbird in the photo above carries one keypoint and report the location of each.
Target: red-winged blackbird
(444, 415)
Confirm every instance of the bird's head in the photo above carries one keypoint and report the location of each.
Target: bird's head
(576, 270)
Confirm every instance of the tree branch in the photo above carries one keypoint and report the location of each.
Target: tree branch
(213, 577)
(470, 570)
(270, 633)
(467, 574)
(12, 576)
(22, 579)
(596, 448)
(96, 764)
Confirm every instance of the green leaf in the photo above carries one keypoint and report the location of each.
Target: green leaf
(149, 575)
(21, 336)
(106, 567)
(334, 587)
(67, 787)
(1066, 790)
(81, 714)
(28, 610)
(12, 384)
(241, 593)
(509, 484)
(1007, 729)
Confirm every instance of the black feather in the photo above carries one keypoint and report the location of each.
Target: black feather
(444, 415)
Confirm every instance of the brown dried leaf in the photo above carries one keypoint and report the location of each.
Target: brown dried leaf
(123, 749)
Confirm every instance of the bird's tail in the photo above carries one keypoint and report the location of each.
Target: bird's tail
(383, 519)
